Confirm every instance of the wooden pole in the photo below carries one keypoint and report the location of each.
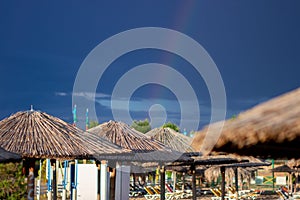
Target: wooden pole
(54, 181)
(183, 181)
(162, 182)
(99, 183)
(112, 184)
(223, 182)
(273, 182)
(236, 182)
(30, 180)
(193, 181)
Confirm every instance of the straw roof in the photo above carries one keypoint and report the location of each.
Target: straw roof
(269, 129)
(121, 134)
(282, 168)
(35, 134)
(172, 139)
(214, 172)
(293, 163)
(6, 156)
(143, 147)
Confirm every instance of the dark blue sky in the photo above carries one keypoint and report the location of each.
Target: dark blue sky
(255, 45)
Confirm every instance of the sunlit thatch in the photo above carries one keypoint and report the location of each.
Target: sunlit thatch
(144, 147)
(122, 135)
(172, 139)
(269, 129)
(35, 134)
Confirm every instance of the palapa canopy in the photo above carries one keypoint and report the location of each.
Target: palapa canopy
(283, 168)
(6, 156)
(270, 129)
(143, 147)
(122, 135)
(35, 134)
(172, 139)
(293, 163)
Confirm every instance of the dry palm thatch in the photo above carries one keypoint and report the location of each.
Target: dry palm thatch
(269, 129)
(213, 173)
(172, 139)
(293, 163)
(35, 134)
(144, 148)
(6, 156)
(283, 168)
(244, 168)
(122, 135)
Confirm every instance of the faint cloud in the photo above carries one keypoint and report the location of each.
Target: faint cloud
(62, 94)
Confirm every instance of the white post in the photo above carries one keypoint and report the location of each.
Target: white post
(38, 189)
(38, 185)
(65, 180)
(103, 182)
(174, 180)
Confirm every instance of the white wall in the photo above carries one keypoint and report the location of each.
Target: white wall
(87, 182)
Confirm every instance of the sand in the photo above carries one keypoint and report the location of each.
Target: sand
(208, 197)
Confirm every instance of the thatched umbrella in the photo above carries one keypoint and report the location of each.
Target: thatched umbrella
(35, 135)
(172, 139)
(121, 134)
(6, 156)
(144, 147)
(271, 129)
(285, 168)
(176, 141)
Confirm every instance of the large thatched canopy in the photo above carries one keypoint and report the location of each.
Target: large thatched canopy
(270, 129)
(121, 134)
(144, 147)
(172, 139)
(35, 134)
(6, 156)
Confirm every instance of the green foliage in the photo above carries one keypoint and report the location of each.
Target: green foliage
(172, 126)
(93, 124)
(12, 185)
(141, 125)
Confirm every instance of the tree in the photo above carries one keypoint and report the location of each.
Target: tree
(172, 126)
(12, 184)
(93, 124)
(141, 125)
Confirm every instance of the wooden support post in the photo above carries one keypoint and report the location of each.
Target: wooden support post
(30, 180)
(54, 184)
(223, 182)
(112, 184)
(183, 181)
(162, 182)
(99, 183)
(236, 175)
(193, 170)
